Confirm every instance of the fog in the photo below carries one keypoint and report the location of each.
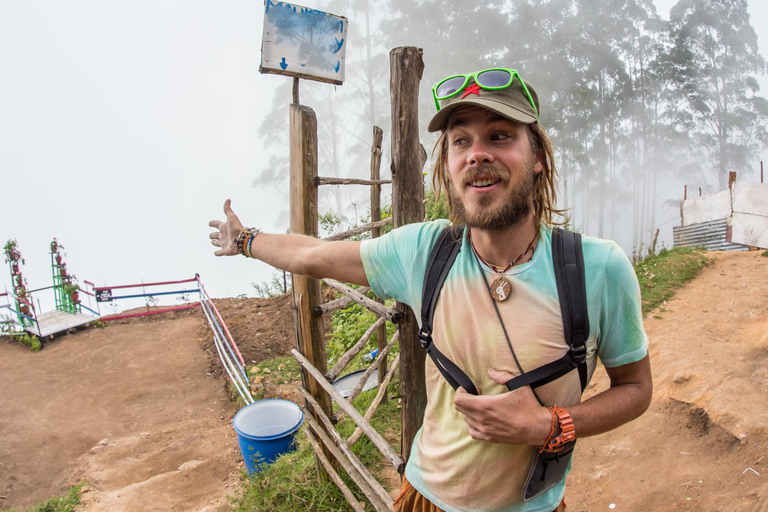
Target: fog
(124, 127)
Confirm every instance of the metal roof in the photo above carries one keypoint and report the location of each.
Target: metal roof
(710, 235)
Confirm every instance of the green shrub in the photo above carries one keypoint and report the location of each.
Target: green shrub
(29, 340)
(661, 274)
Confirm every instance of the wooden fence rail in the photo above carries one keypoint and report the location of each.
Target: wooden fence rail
(356, 471)
(380, 309)
(374, 436)
(376, 401)
(344, 360)
(381, 357)
(320, 180)
(339, 303)
(371, 226)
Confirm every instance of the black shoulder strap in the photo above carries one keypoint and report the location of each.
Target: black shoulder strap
(568, 262)
(439, 264)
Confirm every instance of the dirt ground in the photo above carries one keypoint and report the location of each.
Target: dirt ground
(140, 409)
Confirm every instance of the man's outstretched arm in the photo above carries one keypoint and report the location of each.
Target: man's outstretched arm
(298, 254)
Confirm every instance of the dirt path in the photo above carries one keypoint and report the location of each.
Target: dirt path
(708, 422)
(130, 408)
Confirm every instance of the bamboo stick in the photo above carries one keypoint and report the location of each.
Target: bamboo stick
(374, 436)
(339, 303)
(351, 499)
(376, 401)
(344, 360)
(332, 439)
(381, 310)
(358, 230)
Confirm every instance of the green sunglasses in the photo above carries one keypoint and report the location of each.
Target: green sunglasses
(490, 79)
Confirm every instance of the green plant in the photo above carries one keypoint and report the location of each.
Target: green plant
(436, 207)
(70, 288)
(29, 340)
(765, 253)
(98, 324)
(66, 503)
(661, 274)
(12, 253)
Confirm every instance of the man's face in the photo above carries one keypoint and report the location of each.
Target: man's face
(491, 168)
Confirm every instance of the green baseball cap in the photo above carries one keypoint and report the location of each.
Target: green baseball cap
(511, 102)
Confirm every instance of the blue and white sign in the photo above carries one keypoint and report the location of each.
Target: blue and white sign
(303, 42)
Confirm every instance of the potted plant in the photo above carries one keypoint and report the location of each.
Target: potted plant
(12, 254)
(72, 290)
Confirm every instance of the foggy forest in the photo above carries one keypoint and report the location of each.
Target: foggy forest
(637, 106)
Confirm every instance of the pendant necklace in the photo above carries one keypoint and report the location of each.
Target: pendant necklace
(501, 288)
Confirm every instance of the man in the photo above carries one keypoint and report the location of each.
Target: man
(498, 314)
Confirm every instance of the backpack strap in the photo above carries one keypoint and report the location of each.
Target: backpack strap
(568, 262)
(439, 264)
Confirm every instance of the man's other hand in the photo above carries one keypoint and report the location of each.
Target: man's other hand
(515, 417)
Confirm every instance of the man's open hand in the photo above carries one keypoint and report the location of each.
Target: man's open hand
(227, 231)
(515, 417)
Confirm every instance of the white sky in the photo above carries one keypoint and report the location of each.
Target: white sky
(125, 125)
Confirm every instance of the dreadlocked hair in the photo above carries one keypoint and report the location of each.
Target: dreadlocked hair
(544, 185)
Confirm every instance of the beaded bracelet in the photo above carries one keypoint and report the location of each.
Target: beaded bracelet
(240, 240)
(551, 430)
(248, 252)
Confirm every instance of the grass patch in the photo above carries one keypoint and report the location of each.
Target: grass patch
(661, 274)
(764, 253)
(66, 503)
(292, 483)
(280, 370)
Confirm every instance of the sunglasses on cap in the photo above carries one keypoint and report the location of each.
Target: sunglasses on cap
(489, 79)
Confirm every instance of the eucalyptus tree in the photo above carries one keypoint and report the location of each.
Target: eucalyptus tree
(716, 61)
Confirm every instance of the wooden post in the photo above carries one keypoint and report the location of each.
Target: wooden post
(306, 291)
(406, 66)
(731, 179)
(378, 136)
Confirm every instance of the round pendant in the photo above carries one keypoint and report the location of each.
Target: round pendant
(500, 289)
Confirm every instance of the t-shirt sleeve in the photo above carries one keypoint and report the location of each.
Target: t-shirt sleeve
(622, 336)
(396, 262)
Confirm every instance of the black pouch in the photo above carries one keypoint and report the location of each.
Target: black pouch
(547, 469)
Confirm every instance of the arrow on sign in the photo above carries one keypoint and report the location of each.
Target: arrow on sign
(283, 64)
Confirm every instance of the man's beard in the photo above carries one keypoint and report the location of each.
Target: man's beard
(516, 208)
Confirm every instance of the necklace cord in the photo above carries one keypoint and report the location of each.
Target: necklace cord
(501, 321)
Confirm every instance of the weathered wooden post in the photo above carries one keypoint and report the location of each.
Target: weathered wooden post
(378, 135)
(303, 147)
(406, 67)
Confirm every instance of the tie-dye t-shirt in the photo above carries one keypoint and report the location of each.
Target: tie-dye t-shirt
(452, 470)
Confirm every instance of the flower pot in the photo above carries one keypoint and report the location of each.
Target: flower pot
(58, 259)
(24, 308)
(15, 267)
(75, 297)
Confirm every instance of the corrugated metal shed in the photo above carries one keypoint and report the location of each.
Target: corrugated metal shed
(710, 235)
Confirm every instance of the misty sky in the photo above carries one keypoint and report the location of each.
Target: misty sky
(125, 125)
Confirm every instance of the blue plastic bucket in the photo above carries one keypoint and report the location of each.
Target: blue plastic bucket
(265, 430)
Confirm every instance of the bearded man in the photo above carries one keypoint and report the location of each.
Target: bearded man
(498, 315)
